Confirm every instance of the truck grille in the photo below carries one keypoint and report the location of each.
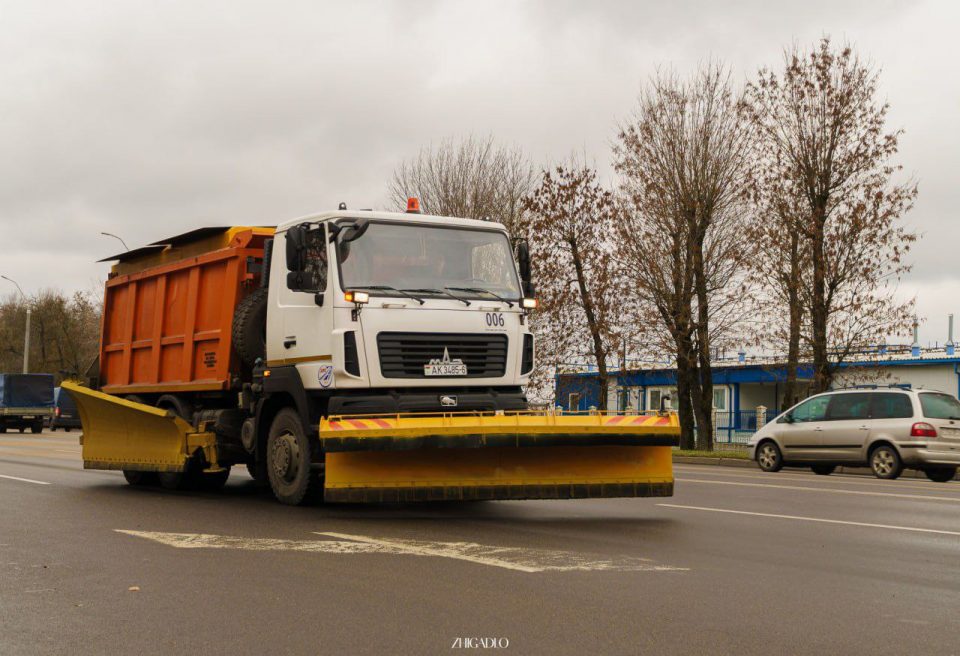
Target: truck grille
(403, 355)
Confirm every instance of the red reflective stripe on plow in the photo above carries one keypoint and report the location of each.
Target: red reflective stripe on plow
(357, 424)
(615, 420)
(335, 425)
(381, 423)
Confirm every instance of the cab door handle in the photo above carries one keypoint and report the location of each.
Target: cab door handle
(289, 342)
(864, 428)
(818, 429)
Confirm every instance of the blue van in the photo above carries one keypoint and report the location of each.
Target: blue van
(65, 413)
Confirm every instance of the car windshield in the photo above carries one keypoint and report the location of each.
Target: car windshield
(939, 406)
(393, 258)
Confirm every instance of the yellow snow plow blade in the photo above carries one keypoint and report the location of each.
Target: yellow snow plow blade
(523, 455)
(122, 434)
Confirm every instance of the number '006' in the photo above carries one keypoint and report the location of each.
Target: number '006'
(495, 319)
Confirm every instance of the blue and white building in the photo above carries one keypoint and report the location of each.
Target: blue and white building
(744, 383)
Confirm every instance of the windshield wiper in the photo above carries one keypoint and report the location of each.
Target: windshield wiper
(480, 290)
(439, 291)
(388, 288)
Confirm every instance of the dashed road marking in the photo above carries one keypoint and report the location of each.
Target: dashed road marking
(24, 480)
(822, 520)
(511, 558)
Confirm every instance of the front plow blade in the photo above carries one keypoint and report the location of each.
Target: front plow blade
(517, 456)
(122, 434)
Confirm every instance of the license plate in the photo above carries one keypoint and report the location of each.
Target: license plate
(444, 370)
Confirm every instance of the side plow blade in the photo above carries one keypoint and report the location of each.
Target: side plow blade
(122, 434)
(517, 456)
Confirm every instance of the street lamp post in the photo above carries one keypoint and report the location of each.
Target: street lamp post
(110, 234)
(26, 336)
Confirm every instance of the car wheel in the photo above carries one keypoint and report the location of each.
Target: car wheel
(941, 474)
(823, 470)
(769, 457)
(885, 462)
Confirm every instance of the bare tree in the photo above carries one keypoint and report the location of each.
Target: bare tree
(569, 221)
(824, 130)
(471, 178)
(779, 267)
(65, 332)
(684, 161)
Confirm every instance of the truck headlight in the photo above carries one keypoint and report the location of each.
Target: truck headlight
(529, 304)
(356, 297)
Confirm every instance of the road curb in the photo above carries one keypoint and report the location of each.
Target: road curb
(740, 462)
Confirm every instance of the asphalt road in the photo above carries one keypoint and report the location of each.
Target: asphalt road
(736, 562)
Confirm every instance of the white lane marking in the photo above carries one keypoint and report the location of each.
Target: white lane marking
(822, 489)
(25, 480)
(526, 560)
(812, 519)
(516, 559)
(836, 479)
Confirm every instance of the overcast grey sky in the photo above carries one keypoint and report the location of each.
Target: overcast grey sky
(151, 118)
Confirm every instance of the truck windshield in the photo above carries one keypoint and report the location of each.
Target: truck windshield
(427, 259)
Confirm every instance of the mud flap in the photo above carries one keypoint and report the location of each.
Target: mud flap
(122, 434)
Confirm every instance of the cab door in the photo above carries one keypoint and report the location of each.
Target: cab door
(305, 313)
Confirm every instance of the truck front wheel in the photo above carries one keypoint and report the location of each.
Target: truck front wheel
(288, 461)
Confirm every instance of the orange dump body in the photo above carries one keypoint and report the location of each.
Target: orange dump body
(168, 312)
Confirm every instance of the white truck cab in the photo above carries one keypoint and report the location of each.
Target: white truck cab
(398, 312)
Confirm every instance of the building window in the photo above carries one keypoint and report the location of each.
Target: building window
(654, 399)
(573, 403)
(719, 399)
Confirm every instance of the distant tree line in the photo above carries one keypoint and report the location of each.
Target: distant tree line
(64, 332)
(767, 213)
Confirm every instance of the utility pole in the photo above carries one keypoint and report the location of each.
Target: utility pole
(26, 335)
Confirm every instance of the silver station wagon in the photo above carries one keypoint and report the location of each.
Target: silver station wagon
(886, 428)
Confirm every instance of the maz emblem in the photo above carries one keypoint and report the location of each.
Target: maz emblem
(445, 366)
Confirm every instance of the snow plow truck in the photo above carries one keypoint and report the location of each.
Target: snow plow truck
(346, 357)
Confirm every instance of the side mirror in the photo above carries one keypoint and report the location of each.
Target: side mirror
(664, 402)
(296, 245)
(523, 260)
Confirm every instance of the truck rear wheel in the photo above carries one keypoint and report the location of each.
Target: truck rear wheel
(292, 478)
(141, 478)
(176, 405)
(250, 327)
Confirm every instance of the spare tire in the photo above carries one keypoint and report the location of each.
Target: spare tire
(250, 327)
